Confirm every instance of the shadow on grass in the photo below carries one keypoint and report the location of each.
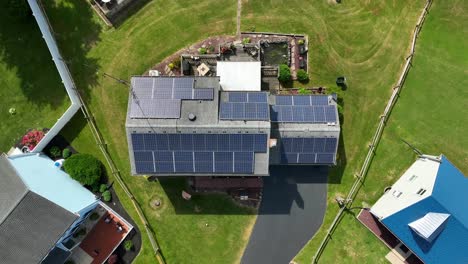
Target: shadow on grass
(336, 172)
(200, 203)
(128, 12)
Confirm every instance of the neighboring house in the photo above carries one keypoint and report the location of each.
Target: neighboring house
(42, 211)
(191, 126)
(426, 209)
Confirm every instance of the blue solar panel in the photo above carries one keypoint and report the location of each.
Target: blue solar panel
(186, 142)
(262, 111)
(325, 158)
(225, 111)
(308, 112)
(289, 158)
(284, 100)
(174, 142)
(306, 157)
(301, 100)
(162, 93)
(143, 155)
(165, 156)
(319, 114)
(183, 167)
(243, 167)
(137, 142)
(319, 100)
(248, 141)
(164, 167)
(319, 145)
(287, 144)
(275, 113)
(162, 142)
(223, 142)
(330, 114)
(144, 167)
(297, 114)
(235, 142)
(257, 97)
(223, 156)
(211, 142)
(286, 114)
(203, 94)
(243, 156)
(204, 167)
(330, 145)
(203, 156)
(223, 162)
(183, 83)
(183, 93)
(261, 143)
(308, 145)
(238, 110)
(237, 97)
(150, 142)
(297, 145)
(250, 111)
(199, 143)
(183, 161)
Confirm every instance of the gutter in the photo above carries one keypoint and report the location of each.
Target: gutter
(64, 73)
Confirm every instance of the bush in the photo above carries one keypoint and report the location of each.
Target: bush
(18, 9)
(300, 42)
(202, 50)
(55, 152)
(211, 49)
(302, 76)
(107, 196)
(303, 90)
(284, 73)
(171, 66)
(84, 168)
(94, 216)
(31, 139)
(128, 245)
(246, 40)
(66, 153)
(176, 63)
(102, 188)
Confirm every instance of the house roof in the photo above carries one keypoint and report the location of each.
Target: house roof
(448, 197)
(12, 188)
(32, 229)
(239, 75)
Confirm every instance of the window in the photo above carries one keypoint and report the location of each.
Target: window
(413, 177)
(421, 191)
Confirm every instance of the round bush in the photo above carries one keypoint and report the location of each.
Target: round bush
(107, 196)
(202, 50)
(284, 73)
(302, 76)
(55, 152)
(102, 188)
(128, 245)
(66, 153)
(84, 168)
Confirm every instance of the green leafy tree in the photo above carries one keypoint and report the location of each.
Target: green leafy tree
(84, 168)
(284, 73)
(302, 76)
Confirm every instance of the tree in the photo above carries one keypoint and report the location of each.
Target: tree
(84, 168)
(284, 73)
(18, 9)
(302, 76)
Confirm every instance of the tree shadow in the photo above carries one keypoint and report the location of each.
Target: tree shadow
(336, 172)
(128, 12)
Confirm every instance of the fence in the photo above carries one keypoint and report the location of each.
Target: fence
(376, 138)
(77, 103)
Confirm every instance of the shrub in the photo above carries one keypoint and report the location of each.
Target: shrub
(18, 9)
(284, 73)
(211, 49)
(102, 188)
(107, 196)
(55, 152)
(95, 187)
(128, 245)
(202, 50)
(176, 63)
(94, 216)
(246, 40)
(303, 90)
(300, 42)
(66, 153)
(84, 168)
(171, 66)
(31, 139)
(302, 76)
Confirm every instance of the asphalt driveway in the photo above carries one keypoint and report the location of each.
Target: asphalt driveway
(292, 210)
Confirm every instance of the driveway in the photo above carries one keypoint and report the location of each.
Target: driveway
(292, 210)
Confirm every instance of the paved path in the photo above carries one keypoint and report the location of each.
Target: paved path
(239, 9)
(292, 210)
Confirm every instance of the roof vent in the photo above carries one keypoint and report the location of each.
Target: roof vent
(192, 117)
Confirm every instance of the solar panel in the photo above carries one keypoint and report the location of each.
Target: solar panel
(162, 93)
(186, 142)
(162, 142)
(289, 158)
(297, 145)
(325, 158)
(287, 144)
(225, 111)
(199, 143)
(319, 145)
(237, 97)
(142, 87)
(330, 145)
(203, 94)
(183, 161)
(184, 93)
(308, 145)
(137, 142)
(301, 100)
(223, 142)
(235, 142)
(286, 114)
(297, 114)
(319, 114)
(284, 100)
(211, 142)
(248, 141)
(204, 167)
(275, 113)
(262, 111)
(163, 156)
(308, 112)
(163, 82)
(148, 108)
(330, 113)
(257, 97)
(261, 142)
(223, 162)
(143, 155)
(306, 157)
(183, 83)
(238, 110)
(250, 111)
(174, 141)
(164, 167)
(144, 167)
(319, 99)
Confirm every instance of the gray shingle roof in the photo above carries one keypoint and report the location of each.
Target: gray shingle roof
(12, 188)
(32, 229)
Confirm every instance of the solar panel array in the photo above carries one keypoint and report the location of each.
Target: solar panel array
(161, 97)
(303, 109)
(308, 150)
(245, 106)
(197, 153)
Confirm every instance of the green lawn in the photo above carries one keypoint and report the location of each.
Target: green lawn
(29, 81)
(431, 114)
(207, 229)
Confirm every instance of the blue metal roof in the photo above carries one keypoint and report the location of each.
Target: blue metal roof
(449, 196)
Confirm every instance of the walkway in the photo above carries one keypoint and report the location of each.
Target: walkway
(292, 210)
(239, 9)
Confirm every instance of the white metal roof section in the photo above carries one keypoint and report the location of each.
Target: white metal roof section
(239, 75)
(413, 186)
(429, 226)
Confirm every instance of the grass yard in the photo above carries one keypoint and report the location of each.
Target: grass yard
(431, 114)
(207, 229)
(367, 43)
(29, 81)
